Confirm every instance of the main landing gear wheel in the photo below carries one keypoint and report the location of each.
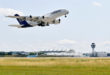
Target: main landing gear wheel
(47, 24)
(43, 17)
(30, 16)
(59, 20)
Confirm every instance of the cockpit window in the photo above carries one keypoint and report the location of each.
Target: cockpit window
(56, 11)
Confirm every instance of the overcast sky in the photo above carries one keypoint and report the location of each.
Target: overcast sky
(87, 22)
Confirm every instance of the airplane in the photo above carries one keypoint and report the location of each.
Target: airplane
(45, 20)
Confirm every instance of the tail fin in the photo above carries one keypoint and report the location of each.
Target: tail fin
(21, 21)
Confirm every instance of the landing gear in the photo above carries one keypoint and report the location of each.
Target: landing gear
(43, 17)
(59, 20)
(30, 16)
(42, 24)
(53, 21)
(65, 16)
(47, 24)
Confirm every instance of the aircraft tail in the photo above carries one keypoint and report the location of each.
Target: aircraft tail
(21, 21)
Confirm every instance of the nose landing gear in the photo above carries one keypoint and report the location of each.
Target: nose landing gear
(65, 16)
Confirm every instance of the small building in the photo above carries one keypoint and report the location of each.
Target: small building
(96, 54)
(101, 54)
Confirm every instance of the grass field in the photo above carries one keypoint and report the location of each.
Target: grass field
(54, 66)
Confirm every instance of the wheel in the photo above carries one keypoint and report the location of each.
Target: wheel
(47, 24)
(65, 16)
(53, 21)
(43, 17)
(59, 20)
(30, 16)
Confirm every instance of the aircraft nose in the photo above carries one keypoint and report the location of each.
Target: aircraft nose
(67, 12)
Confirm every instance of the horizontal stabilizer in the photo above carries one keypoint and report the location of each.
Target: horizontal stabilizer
(18, 26)
(16, 16)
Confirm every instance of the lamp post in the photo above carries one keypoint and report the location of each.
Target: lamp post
(93, 47)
